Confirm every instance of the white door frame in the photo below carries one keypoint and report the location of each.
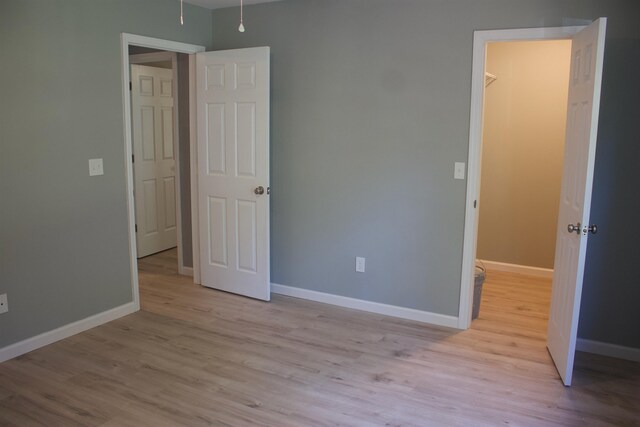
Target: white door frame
(480, 40)
(171, 46)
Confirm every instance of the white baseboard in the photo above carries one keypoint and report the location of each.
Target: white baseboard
(606, 349)
(373, 307)
(46, 338)
(517, 268)
(185, 271)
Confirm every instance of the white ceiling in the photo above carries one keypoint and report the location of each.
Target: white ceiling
(219, 4)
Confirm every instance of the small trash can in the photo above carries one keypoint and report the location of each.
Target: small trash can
(480, 275)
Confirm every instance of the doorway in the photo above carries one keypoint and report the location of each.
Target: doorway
(156, 104)
(229, 103)
(583, 99)
(479, 78)
(523, 138)
(141, 44)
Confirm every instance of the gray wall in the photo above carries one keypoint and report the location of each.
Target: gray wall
(64, 246)
(370, 108)
(611, 292)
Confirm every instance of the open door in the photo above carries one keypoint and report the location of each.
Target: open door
(154, 161)
(232, 106)
(587, 52)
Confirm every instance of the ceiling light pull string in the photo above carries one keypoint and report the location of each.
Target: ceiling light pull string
(241, 26)
(181, 13)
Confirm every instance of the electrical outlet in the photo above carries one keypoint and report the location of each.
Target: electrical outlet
(4, 304)
(360, 264)
(95, 167)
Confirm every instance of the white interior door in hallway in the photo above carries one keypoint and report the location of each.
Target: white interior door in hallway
(583, 106)
(152, 113)
(232, 104)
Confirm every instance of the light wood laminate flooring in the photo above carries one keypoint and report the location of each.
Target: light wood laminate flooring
(194, 356)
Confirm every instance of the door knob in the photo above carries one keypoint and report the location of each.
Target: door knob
(593, 229)
(571, 228)
(259, 190)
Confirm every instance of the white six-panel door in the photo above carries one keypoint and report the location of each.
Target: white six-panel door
(587, 53)
(233, 165)
(154, 162)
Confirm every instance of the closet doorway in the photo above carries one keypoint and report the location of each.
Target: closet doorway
(523, 138)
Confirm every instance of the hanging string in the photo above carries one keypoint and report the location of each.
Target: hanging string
(241, 27)
(181, 13)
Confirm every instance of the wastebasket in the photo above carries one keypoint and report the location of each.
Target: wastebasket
(480, 275)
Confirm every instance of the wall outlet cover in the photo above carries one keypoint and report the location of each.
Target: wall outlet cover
(360, 264)
(4, 303)
(95, 167)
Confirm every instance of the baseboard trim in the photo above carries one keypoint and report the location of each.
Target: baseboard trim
(606, 349)
(372, 307)
(185, 271)
(517, 268)
(46, 338)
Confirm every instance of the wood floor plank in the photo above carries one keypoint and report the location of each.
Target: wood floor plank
(195, 356)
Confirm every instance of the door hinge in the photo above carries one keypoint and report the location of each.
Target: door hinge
(475, 203)
(136, 226)
(130, 86)
(133, 158)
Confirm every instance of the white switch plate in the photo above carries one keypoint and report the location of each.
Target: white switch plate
(360, 264)
(95, 167)
(4, 304)
(458, 170)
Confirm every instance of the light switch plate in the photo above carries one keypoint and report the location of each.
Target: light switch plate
(458, 170)
(360, 264)
(95, 167)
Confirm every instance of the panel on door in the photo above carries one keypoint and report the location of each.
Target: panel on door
(587, 53)
(154, 161)
(233, 162)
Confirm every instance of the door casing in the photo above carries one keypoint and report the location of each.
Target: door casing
(480, 41)
(127, 40)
